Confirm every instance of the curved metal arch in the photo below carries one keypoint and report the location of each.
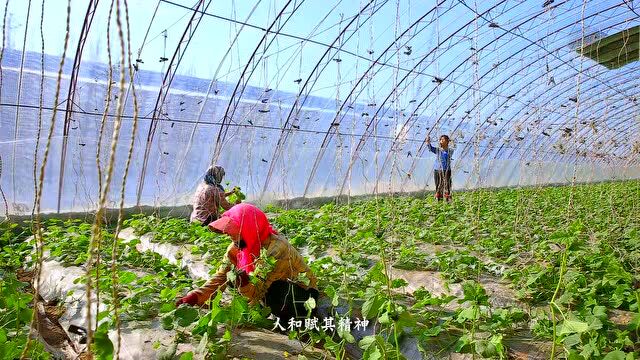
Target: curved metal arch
(589, 139)
(530, 115)
(235, 100)
(628, 154)
(510, 85)
(431, 92)
(524, 150)
(617, 115)
(18, 97)
(176, 58)
(373, 64)
(552, 97)
(213, 81)
(495, 114)
(363, 137)
(468, 87)
(599, 108)
(535, 137)
(536, 44)
(554, 50)
(492, 92)
(75, 69)
(546, 154)
(531, 146)
(634, 130)
(297, 105)
(561, 60)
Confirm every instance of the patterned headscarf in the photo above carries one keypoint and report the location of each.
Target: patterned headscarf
(214, 176)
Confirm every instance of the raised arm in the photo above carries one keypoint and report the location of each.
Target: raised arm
(223, 201)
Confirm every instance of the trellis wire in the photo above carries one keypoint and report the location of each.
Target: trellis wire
(38, 228)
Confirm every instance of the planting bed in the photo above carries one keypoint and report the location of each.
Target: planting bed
(519, 273)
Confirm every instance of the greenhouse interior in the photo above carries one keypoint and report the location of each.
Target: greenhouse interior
(301, 179)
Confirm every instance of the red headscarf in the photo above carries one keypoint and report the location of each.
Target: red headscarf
(254, 229)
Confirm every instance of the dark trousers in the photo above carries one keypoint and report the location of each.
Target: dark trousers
(443, 183)
(286, 300)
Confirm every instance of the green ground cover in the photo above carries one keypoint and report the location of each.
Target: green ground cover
(570, 255)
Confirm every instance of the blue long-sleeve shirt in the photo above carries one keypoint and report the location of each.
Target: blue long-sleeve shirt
(444, 158)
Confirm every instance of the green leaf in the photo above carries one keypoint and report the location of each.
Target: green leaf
(227, 335)
(366, 342)
(463, 343)
(202, 346)
(126, 277)
(238, 308)
(186, 315)
(572, 340)
(572, 327)
(102, 345)
(384, 319)
(470, 313)
(168, 353)
(398, 283)
(615, 355)
(167, 307)
(186, 356)
(167, 322)
(372, 304)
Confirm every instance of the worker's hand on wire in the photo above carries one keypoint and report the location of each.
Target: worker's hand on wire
(189, 299)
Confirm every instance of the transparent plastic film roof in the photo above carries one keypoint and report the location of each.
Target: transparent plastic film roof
(132, 100)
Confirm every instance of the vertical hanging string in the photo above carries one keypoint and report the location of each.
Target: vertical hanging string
(354, 118)
(4, 35)
(18, 98)
(40, 106)
(476, 106)
(392, 224)
(4, 198)
(99, 146)
(107, 105)
(4, 29)
(38, 228)
(577, 114)
(114, 251)
(96, 229)
(437, 63)
(570, 208)
(396, 101)
(371, 91)
(36, 199)
(338, 84)
(476, 144)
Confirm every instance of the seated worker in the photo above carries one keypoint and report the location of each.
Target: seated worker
(282, 289)
(209, 197)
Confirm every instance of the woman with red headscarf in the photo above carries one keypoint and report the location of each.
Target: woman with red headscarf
(284, 289)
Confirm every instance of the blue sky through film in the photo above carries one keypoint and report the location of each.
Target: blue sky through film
(502, 77)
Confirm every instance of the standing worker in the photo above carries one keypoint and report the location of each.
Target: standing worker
(210, 197)
(442, 168)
